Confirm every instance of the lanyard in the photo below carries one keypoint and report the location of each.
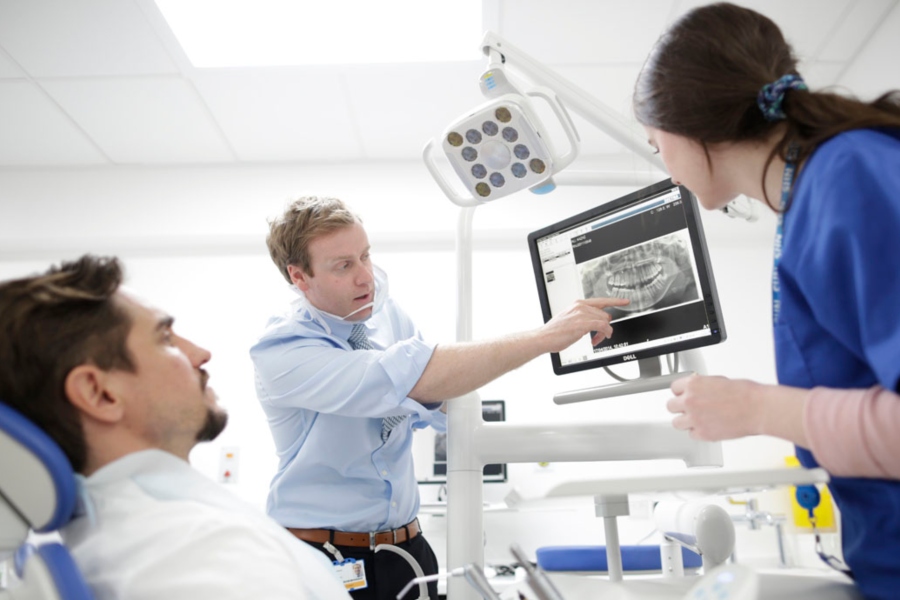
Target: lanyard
(786, 181)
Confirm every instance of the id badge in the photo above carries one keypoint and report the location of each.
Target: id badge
(352, 573)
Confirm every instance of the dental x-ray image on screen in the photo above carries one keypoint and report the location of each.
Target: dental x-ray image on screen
(653, 275)
(648, 247)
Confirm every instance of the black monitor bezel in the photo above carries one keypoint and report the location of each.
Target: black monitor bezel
(701, 257)
(491, 473)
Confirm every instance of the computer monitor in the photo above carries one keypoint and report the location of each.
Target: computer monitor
(648, 247)
(492, 411)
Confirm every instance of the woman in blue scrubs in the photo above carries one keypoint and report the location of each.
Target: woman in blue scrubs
(722, 101)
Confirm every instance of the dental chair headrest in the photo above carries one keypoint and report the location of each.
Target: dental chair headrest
(36, 480)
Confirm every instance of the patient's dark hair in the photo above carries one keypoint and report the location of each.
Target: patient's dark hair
(702, 78)
(50, 324)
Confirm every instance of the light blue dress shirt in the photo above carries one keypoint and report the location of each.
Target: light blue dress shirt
(325, 402)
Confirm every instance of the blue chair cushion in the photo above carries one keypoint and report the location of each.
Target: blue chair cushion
(593, 558)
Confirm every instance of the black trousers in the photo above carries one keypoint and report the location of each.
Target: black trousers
(387, 573)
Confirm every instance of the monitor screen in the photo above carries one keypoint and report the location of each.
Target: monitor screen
(492, 411)
(648, 247)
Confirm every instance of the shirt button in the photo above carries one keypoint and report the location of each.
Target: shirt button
(384, 472)
(394, 504)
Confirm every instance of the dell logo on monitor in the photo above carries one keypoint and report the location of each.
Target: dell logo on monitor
(629, 357)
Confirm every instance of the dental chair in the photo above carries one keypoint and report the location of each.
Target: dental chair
(592, 559)
(37, 493)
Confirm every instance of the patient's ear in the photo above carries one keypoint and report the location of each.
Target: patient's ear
(88, 390)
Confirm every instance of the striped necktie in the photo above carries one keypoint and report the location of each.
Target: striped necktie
(358, 340)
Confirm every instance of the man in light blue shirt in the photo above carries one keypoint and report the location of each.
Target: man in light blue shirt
(345, 377)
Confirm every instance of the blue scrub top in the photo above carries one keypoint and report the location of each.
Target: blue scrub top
(839, 324)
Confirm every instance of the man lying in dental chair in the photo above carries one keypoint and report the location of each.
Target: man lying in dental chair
(103, 373)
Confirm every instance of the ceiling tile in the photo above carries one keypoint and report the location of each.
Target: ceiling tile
(117, 71)
(143, 120)
(282, 114)
(853, 31)
(33, 131)
(875, 70)
(8, 69)
(589, 31)
(411, 104)
(820, 74)
(806, 24)
(61, 38)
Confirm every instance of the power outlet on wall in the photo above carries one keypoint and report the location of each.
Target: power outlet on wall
(228, 464)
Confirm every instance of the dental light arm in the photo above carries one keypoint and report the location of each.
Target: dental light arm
(522, 156)
(577, 100)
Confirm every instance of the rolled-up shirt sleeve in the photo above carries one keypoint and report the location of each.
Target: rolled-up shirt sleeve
(854, 433)
(312, 373)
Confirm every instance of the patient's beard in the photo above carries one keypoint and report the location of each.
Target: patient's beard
(216, 420)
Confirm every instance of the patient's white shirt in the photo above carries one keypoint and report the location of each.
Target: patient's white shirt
(156, 528)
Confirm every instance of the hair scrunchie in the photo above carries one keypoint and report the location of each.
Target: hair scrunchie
(771, 96)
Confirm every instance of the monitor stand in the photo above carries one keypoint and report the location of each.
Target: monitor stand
(649, 380)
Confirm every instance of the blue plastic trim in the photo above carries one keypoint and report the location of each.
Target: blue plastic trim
(68, 579)
(544, 188)
(47, 452)
(23, 553)
(593, 558)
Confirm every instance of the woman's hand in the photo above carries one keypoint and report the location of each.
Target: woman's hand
(714, 408)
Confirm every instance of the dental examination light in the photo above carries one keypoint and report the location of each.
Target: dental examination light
(502, 147)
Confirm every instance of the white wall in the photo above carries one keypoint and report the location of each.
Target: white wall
(193, 243)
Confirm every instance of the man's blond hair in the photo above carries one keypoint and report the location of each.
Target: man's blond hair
(305, 219)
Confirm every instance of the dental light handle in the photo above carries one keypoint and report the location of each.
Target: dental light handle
(562, 115)
(454, 196)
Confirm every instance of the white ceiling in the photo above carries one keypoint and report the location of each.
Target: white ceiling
(105, 82)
